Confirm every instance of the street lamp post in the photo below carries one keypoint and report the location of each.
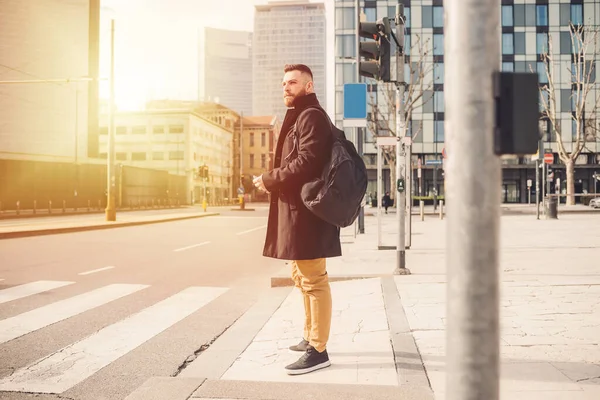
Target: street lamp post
(111, 212)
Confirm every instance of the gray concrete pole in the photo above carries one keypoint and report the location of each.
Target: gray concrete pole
(400, 154)
(111, 212)
(409, 195)
(473, 189)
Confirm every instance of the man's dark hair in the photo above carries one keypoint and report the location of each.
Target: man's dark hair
(298, 67)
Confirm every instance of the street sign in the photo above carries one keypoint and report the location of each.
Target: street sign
(355, 105)
(433, 162)
(387, 140)
(529, 182)
(549, 158)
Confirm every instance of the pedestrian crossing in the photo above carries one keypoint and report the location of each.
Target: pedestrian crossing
(59, 371)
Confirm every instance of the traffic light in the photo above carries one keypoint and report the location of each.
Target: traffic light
(203, 172)
(376, 53)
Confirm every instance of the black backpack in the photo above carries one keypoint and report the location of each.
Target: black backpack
(336, 196)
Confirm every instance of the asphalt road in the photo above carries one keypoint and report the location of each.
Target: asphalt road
(92, 315)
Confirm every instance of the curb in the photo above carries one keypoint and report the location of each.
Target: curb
(58, 213)
(83, 228)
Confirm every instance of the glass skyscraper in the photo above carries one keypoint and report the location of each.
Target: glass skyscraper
(526, 27)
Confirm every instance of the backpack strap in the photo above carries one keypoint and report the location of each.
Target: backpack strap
(331, 126)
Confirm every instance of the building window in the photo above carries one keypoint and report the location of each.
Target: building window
(263, 139)
(102, 155)
(519, 38)
(371, 13)
(252, 140)
(438, 98)
(157, 129)
(438, 44)
(541, 69)
(345, 45)
(158, 155)
(530, 15)
(251, 160)
(345, 18)
(519, 14)
(176, 155)
(427, 17)
(508, 67)
(263, 161)
(121, 156)
(428, 102)
(565, 43)
(438, 131)
(577, 14)
(542, 14)
(507, 16)
(138, 130)
(438, 73)
(438, 17)
(507, 43)
(175, 128)
(542, 43)
(121, 130)
(104, 130)
(138, 156)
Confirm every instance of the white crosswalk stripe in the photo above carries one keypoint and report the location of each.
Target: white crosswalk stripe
(29, 289)
(72, 364)
(31, 321)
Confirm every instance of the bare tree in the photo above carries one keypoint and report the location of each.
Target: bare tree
(584, 45)
(383, 121)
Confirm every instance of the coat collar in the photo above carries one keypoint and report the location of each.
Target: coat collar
(305, 101)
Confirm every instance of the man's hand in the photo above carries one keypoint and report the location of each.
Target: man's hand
(260, 185)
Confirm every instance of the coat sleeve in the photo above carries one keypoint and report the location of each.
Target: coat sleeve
(314, 135)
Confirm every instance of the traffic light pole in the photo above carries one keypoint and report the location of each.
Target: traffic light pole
(474, 176)
(359, 131)
(400, 153)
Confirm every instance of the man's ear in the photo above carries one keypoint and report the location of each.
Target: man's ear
(310, 87)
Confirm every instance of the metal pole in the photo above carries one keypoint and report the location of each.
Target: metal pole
(400, 155)
(378, 196)
(359, 131)
(111, 212)
(473, 189)
(537, 186)
(409, 193)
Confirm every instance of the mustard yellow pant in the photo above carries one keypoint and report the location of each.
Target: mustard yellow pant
(310, 276)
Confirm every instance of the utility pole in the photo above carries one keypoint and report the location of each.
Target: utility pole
(400, 154)
(359, 131)
(537, 180)
(111, 212)
(472, 47)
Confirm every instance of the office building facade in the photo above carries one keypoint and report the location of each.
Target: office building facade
(286, 32)
(526, 26)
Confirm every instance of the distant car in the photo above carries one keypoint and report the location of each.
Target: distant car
(595, 202)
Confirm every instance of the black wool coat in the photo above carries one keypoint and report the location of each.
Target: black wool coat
(303, 148)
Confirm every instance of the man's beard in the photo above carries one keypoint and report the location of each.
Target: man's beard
(290, 101)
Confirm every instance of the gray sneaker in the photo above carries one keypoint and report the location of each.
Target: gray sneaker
(300, 347)
(310, 361)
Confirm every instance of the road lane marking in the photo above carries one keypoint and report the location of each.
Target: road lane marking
(22, 324)
(29, 289)
(251, 230)
(95, 270)
(192, 246)
(71, 365)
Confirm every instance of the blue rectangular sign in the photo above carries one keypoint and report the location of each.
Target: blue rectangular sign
(433, 162)
(355, 100)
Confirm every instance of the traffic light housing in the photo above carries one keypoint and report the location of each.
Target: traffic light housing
(203, 172)
(377, 52)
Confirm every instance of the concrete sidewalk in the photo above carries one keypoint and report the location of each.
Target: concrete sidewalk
(388, 332)
(53, 225)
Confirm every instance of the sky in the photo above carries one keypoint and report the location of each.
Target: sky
(156, 54)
